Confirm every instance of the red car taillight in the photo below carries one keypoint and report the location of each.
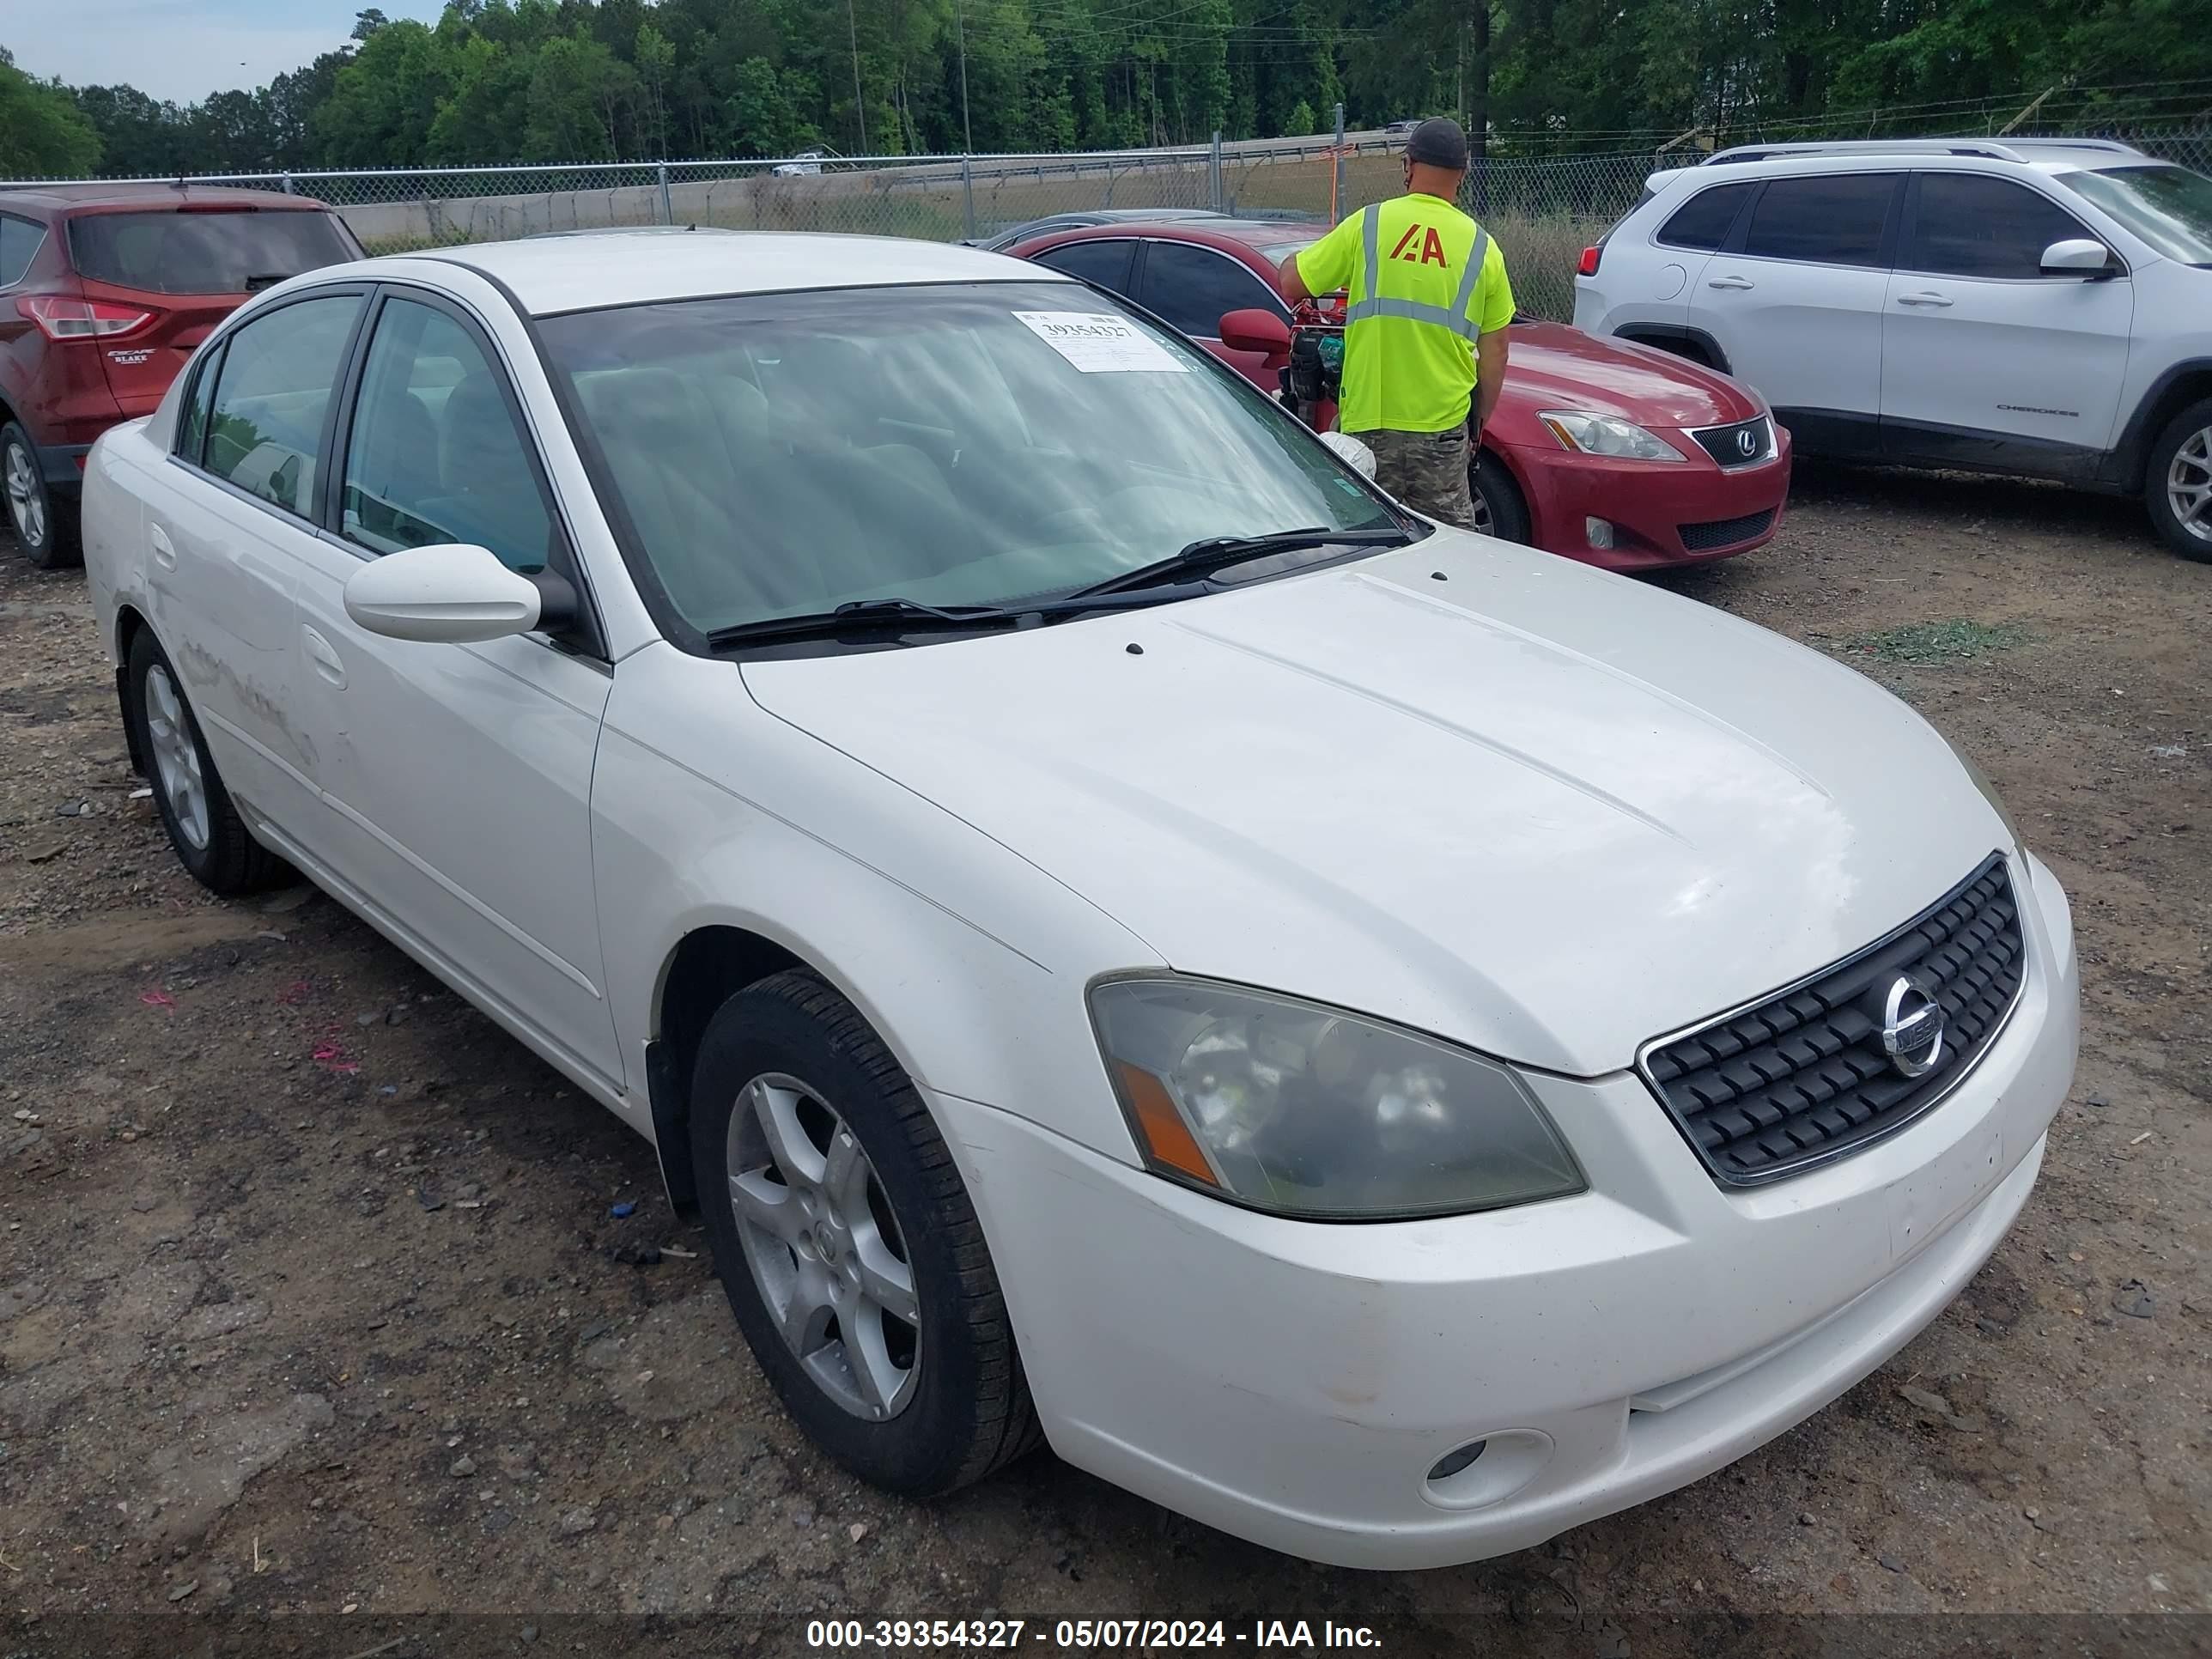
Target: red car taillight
(1588, 265)
(81, 319)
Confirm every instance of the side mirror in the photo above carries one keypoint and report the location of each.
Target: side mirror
(1352, 452)
(2077, 255)
(1256, 329)
(448, 593)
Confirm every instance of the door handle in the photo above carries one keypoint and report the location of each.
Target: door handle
(1730, 281)
(1922, 299)
(325, 660)
(164, 555)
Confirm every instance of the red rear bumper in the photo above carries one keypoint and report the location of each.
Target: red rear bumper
(1662, 512)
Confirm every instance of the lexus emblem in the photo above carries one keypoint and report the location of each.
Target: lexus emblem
(1911, 1027)
(1747, 442)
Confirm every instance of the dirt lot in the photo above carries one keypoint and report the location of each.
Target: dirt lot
(309, 1302)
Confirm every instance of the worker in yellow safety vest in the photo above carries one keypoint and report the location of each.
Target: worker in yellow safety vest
(1425, 334)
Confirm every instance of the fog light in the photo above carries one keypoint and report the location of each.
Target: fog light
(1452, 1462)
(1486, 1471)
(1598, 533)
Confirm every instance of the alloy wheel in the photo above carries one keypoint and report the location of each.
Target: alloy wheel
(27, 502)
(1484, 521)
(824, 1249)
(2189, 484)
(176, 758)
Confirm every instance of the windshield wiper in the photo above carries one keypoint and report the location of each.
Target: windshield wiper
(857, 617)
(260, 279)
(1220, 552)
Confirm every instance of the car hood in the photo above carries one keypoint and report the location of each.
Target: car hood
(1555, 367)
(1530, 806)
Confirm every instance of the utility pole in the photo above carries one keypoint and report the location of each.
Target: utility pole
(859, 102)
(960, 28)
(1478, 114)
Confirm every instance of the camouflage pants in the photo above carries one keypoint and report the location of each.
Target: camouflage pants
(1426, 471)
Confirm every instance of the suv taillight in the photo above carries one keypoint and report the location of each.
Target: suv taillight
(1588, 265)
(81, 319)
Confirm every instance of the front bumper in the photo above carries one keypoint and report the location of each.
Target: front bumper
(1294, 1382)
(1662, 512)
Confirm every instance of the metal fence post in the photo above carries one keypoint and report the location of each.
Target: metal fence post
(289, 191)
(968, 189)
(667, 209)
(1336, 170)
(1214, 172)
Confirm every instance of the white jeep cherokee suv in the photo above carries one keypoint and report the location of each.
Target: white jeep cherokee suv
(2037, 307)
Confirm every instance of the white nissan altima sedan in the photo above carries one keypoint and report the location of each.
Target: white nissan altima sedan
(1391, 1043)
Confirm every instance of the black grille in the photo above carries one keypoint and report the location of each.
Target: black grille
(1803, 1076)
(1722, 532)
(1725, 443)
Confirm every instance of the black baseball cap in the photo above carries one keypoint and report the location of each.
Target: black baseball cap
(1440, 142)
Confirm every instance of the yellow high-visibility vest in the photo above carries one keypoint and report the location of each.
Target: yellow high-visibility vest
(1424, 283)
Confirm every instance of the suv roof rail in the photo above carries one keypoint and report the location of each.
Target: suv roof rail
(2010, 150)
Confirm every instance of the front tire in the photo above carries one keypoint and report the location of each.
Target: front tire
(45, 529)
(210, 838)
(845, 1242)
(2178, 483)
(1498, 509)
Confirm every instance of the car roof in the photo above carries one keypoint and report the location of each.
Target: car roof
(1979, 155)
(591, 270)
(1252, 232)
(104, 196)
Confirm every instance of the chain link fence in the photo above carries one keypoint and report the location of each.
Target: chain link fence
(1543, 208)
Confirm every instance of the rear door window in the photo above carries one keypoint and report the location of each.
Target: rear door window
(203, 251)
(1705, 220)
(1830, 219)
(18, 245)
(266, 431)
(1105, 262)
(1192, 288)
(1966, 225)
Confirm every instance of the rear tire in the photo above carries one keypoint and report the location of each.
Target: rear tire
(46, 529)
(2178, 483)
(1498, 509)
(210, 838)
(868, 1296)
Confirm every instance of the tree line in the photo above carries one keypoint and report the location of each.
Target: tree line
(518, 81)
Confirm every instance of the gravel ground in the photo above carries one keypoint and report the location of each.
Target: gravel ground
(311, 1300)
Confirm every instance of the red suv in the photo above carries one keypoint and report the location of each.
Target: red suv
(104, 290)
(1616, 454)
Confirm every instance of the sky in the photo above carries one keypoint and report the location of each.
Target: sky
(180, 49)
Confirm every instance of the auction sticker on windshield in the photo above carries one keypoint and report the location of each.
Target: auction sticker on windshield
(1097, 344)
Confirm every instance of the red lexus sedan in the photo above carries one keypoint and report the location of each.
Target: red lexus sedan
(1612, 453)
(105, 290)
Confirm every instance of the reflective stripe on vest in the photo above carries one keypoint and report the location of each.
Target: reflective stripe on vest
(1456, 319)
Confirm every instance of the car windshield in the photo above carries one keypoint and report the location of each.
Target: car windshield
(193, 251)
(2169, 207)
(975, 444)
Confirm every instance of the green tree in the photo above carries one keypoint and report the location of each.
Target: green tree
(656, 59)
(580, 99)
(139, 137)
(43, 133)
(384, 99)
(762, 117)
(481, 120)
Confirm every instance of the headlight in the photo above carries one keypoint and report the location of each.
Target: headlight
(1990, 795)
(1305, 1111)
(1606, 434)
